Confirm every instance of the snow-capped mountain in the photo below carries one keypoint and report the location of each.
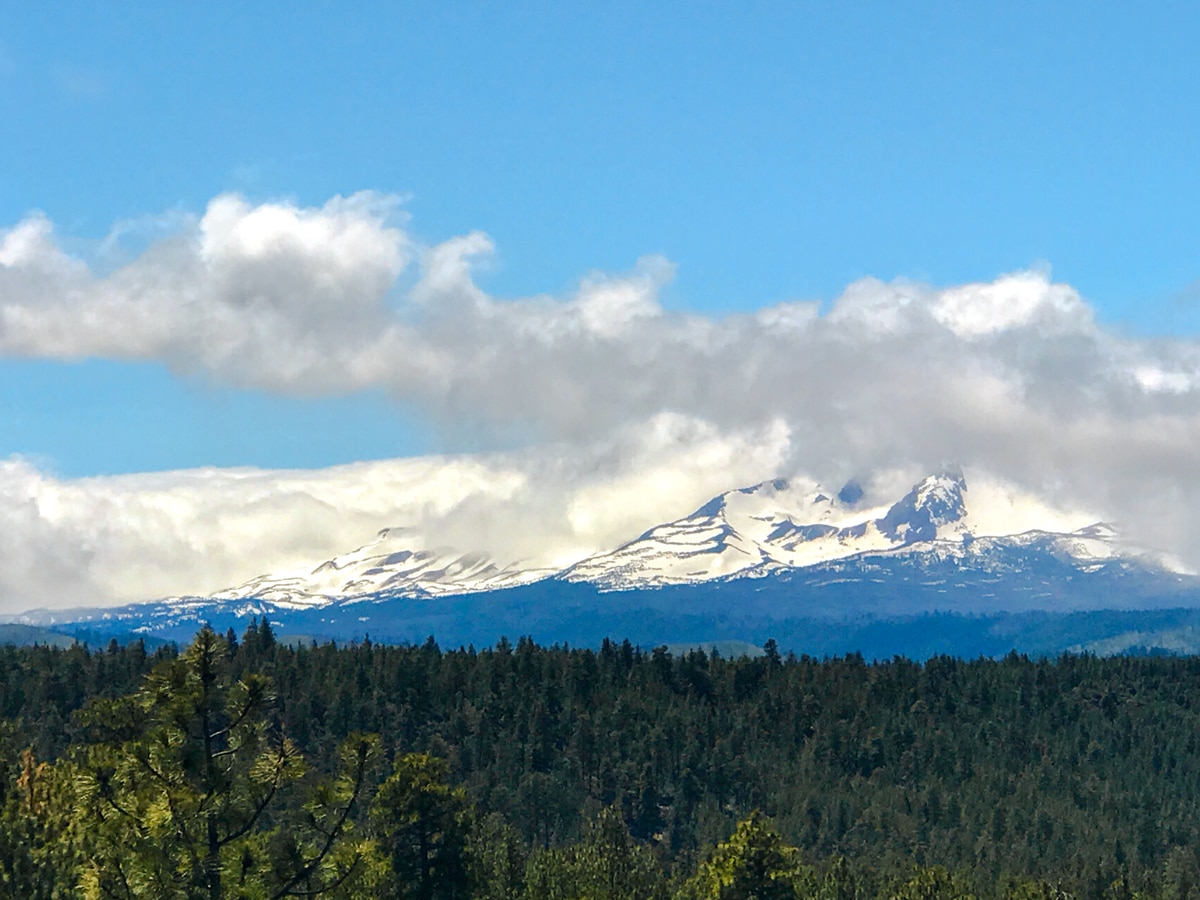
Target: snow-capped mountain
(750, 531)
(777, 525)
(772, 527)
(748, 562)
(396, 563)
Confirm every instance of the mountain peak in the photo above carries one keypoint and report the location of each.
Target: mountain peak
(934, 502)
(776, 526)
(774, 486)
(764, 490)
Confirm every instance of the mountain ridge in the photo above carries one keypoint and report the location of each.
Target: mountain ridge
(774, 551)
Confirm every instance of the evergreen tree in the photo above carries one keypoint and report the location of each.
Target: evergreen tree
(608, 864)
(933, 883)
(177, 805)
(422, 823)
(754, 864)
(496, 857)
(38, 854)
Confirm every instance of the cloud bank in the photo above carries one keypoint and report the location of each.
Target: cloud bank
(1014, 377)
(94, 541)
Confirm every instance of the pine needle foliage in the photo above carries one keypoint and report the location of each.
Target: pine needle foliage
(180, 804)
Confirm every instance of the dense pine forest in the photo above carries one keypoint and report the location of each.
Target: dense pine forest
(244, 767)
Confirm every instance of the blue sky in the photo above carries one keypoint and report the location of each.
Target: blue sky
(624, 255)
(772, 152)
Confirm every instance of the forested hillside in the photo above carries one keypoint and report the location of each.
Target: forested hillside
(522, 771)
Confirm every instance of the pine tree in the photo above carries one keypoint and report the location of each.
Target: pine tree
(175, 803)
(608, 864)
(754, 864)
(421, 824)
(496, 857)
(38, 856)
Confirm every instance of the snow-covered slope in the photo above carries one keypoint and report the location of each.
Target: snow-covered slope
(396, 563)
(772, 527)
(792, 532)
(778, 525)
(735, 533)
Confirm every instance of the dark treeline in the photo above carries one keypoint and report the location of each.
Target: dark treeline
(1010, 777)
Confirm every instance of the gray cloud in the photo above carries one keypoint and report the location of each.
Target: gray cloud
(1014, 377)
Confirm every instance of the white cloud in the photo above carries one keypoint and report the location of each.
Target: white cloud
(976, 311)
(1014, 377)
(271, 296)
(609, 307)
(30, 246)
(101, 540)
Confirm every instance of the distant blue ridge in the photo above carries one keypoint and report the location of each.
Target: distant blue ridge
(748, 610)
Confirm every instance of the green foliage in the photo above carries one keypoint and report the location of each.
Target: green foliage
(1036, 890)
(496, 859)
(934, 883)
(37, 848)
(1024, 779)
(1181, 874)
(179, 806)
(754, 864)
(422, 823)
(608, 864)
